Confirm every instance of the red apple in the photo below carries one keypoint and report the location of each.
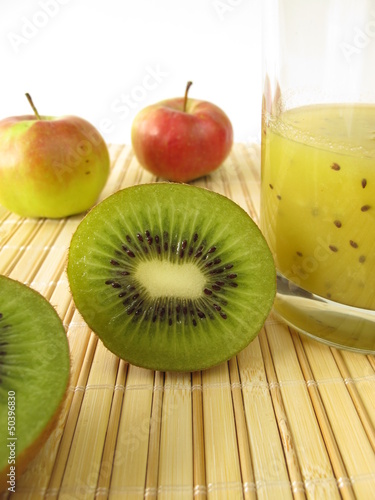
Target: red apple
(181, 139)
(51, 167)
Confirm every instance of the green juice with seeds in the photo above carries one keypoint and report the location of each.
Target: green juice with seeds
(318, 216)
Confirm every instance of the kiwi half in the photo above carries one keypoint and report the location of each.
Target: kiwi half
(34, 374)
(171, 276)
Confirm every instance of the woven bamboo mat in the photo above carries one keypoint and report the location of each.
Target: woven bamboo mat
(287, 418)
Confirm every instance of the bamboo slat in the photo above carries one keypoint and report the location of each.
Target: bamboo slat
(152, 471)
(357, 453)
(200, 491)
(130, 459)
(316, 472)
(176, 451)
(269, 466)
(287, 418)
(223, 476)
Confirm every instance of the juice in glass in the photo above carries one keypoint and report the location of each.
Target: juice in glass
(318, 216)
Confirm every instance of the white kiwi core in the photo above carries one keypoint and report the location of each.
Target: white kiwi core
(167, 279)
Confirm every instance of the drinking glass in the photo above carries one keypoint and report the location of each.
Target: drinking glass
(318, 166)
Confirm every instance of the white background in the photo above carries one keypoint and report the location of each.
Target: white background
(91, 58)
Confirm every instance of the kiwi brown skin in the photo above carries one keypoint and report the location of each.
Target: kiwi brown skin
(35, 364)
(230, 284)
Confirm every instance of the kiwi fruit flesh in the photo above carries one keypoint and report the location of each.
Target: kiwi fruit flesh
(171, 277)
(34, 375)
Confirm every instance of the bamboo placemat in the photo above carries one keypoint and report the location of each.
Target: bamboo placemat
(287, 418)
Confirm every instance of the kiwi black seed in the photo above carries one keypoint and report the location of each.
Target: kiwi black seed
(34, 373)
(171, 276)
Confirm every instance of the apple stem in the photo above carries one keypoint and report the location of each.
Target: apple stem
(33, 106)
(188, 85)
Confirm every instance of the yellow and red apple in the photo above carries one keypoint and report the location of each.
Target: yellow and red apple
(181, 139)
(51, 166)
